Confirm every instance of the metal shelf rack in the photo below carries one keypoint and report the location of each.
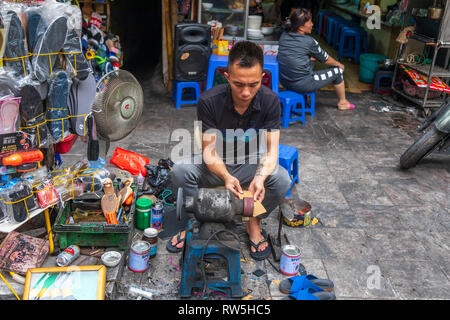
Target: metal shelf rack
(441, 42)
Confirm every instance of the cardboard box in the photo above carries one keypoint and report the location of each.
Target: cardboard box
(220, 47)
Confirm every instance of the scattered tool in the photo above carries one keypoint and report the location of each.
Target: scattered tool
(109, 202)
(125, 192)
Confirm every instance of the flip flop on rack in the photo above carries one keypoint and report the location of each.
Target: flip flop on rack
(47, 45)
(15, 47)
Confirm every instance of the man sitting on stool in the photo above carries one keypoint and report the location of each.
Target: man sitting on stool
(238, 118)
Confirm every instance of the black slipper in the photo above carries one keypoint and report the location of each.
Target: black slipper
(47, 45)
(32, 115)
(15, 47)
(77, 61)
(260, 255)
(173, 248)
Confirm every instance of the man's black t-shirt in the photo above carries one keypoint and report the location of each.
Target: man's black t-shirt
(241, 136)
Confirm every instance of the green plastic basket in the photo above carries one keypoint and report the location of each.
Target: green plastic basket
(95, 234)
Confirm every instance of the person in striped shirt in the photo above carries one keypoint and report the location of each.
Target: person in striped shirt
(296, 55)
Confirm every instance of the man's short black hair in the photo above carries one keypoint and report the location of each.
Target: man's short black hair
(246, 54)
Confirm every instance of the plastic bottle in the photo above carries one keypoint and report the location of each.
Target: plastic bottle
(140, 180)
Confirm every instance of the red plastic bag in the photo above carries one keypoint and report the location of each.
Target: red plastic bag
(130, 161)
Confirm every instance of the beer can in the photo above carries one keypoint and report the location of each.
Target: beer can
(68, 256)
(157, 216)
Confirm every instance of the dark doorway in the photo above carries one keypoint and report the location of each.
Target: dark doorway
(139, 26)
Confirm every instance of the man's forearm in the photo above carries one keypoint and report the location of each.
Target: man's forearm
(266, 166)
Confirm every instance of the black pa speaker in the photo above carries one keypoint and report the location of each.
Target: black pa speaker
(192, 48)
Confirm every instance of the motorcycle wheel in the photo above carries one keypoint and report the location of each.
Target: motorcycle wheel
(421, 147)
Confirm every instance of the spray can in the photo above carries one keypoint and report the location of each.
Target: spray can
(68, 256)
(157, 216)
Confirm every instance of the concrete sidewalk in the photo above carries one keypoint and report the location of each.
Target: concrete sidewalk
(383, 233)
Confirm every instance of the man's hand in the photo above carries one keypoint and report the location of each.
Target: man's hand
(340, 65)
(257, 188)
(232, 184)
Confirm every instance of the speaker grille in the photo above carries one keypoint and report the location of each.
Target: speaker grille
(191, 63)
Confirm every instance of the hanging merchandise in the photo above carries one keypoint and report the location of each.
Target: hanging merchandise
(18, 199)
(46, 194)
(16, 56)
(9, 111)
(32, 115)
(104, 46)
(57, 106)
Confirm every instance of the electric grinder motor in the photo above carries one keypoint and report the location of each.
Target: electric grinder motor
(214, 205)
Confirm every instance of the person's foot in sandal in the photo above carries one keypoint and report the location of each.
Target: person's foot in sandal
(176, 243)
(345, 105)
(259, 247)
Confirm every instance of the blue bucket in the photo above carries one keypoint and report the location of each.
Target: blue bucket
(368, 66)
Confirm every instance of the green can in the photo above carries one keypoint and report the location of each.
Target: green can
(143, 213)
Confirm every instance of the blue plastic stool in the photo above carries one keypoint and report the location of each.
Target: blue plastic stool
(311, 105)
(320, 18)
(270, 64)
(338, 29)
(177, 93)
(288, 159)
(333, 22)
(355, 26)
(379, 76)
(350, 44)
(289, 101)
(325, 22)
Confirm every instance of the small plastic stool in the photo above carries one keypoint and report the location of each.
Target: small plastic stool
(311, 105)
(338, 29)
(332, 24)
(270, 64)
(350, 44)
(288, 159)
(324, 23)
(177, 94)
(289, 101)
(377, 81)
(320, 18)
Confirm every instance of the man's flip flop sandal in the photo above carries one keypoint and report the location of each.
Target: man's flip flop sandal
(294, 284)
(173, 248)
(311, 294)
(260, 255)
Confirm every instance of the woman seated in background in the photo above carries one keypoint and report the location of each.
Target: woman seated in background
(296, 54)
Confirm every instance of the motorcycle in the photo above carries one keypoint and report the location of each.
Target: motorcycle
(436, 137)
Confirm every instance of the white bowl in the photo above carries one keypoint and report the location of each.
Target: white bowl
(256, 32)
(207, 5)
(111, 258)
(254, 22)
(267, 30)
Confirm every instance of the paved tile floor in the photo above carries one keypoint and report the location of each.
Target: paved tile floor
(374, 218)
(383, 233)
